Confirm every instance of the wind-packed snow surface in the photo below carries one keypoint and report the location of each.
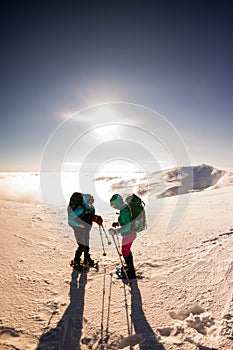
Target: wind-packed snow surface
(185, 300)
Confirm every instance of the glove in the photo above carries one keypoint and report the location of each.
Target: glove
(115, 224)
(112, 232)
(98, 219)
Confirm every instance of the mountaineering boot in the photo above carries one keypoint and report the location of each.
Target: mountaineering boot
(77, 257)
(76, 264)
(77, 260)
(130, 267)
(88, 260)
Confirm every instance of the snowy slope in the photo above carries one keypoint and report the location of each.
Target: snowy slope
(184, 301)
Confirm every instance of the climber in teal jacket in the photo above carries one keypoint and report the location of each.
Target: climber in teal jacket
(125, 229)
(81, 219)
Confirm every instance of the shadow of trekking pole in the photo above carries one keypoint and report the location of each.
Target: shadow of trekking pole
(67, 333)
(140, 323)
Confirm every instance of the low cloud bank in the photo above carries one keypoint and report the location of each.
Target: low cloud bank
(25, 187)
(20, 187)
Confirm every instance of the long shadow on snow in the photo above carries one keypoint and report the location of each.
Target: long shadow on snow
(140, 322)
(68, 331)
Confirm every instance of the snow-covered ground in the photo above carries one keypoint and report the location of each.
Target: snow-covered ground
(184, 302)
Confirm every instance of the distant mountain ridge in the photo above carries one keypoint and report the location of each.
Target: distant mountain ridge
(172, 182)
(186, 179)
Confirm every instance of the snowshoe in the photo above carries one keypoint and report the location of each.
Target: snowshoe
(139, 275)
(121, 275)
(90, 264)
(79, 267)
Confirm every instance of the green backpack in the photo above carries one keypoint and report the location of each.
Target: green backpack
(136, 206)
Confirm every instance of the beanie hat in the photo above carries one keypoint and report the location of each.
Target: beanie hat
(116, 200)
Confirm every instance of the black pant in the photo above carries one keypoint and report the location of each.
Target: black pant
(82, 237)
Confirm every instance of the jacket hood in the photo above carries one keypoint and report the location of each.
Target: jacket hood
(117, 201)
(86, 198)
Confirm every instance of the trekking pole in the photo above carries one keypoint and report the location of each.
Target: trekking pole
(109, 242)
(127, 314)
(121, 261)
(109, 305)
(128, 282)
(101, 236)
(102, 315)
(118, 242)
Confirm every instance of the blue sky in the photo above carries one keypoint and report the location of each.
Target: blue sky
(58, 57)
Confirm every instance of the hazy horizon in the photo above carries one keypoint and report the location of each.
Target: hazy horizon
(226, 168)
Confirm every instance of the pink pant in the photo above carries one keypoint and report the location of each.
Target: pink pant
(126, 244)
